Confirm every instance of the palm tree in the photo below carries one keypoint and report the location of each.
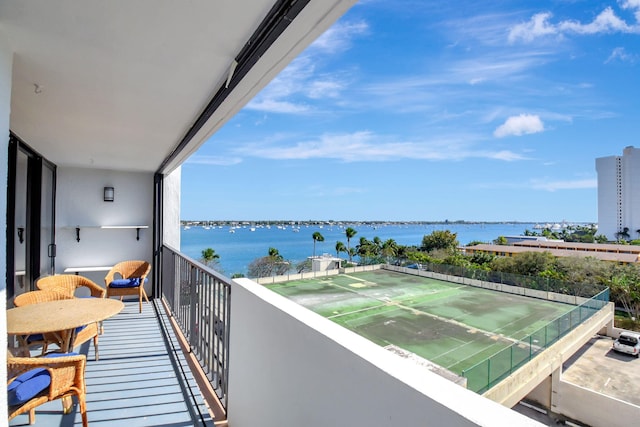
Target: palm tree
(349, 232)
(624, 234)
(209, 256)
(340, 247)
(389, 249)
(274, 253)
(317, 237)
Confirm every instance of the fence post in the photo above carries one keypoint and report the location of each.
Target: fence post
(193, 328)
(511, 362)
(530, 346)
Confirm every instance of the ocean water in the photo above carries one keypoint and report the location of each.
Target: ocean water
(238, 249)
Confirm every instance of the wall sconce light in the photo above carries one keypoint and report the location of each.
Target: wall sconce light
(108, 194)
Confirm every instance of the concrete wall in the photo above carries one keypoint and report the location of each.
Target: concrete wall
(291, 367)
(542, 393)
(80, 202)
(6, 63)
(171, 209)
(593, 408)
(314, 274)
(524, 380)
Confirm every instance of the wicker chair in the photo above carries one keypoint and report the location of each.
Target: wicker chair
(127, 270)
(67, 380)
(67, 284)
(91, 330)
(37, 340)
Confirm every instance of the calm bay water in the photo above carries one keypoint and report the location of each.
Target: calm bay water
(237, 249)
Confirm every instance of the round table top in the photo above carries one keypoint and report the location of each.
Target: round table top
(52, 316)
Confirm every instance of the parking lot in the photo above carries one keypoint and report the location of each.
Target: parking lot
(597, 367)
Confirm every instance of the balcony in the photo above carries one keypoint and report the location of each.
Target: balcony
(137, 381)
(270, 362)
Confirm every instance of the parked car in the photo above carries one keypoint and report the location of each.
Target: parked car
(628, 342)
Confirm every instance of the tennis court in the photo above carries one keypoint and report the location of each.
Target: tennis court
(453, 325)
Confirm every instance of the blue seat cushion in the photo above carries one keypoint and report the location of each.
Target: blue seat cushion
(27, 386)
(34, 338)
(133, 282)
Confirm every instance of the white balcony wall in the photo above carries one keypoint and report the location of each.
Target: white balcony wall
(79, 202)
(171, 208)
(292, 367)
(6, 61)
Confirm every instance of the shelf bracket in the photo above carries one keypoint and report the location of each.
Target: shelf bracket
(77, 234)
(137, 233)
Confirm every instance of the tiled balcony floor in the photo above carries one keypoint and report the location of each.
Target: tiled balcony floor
(136, 382)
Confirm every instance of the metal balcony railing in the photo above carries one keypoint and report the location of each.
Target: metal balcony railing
(200, 301)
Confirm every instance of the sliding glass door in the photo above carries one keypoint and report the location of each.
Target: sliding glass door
(30, 218)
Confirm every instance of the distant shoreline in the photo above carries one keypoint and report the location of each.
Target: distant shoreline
(361, 223)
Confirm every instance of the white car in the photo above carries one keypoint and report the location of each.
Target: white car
(628, 342)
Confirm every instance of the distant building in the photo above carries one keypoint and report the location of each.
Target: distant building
(619, 194)
(621, 254)
(514, 239)
(324, 263)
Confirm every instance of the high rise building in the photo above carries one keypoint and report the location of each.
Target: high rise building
(619, 195)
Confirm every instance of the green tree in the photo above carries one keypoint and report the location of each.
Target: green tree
(304, 266)
(274, 253)
(625, 288)
(317, 237)
(210, 258)
(271, 265)
(501, 240)
(623, 235)
(340, 247)
(389, 249)
(349, 233)
(440, 239)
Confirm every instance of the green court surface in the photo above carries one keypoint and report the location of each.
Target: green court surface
(453, 325)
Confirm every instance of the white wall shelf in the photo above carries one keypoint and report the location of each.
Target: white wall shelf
(108, 227)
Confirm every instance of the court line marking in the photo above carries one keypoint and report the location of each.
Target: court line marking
(492, 334)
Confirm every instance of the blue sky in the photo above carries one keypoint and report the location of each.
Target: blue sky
(415, 110)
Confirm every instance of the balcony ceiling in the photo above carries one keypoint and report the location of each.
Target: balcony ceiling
(117, 85)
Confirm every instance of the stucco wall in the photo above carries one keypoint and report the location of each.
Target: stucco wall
(593, 408)
(292, 367)
(171, 212)
(79, 202)
(6, 61)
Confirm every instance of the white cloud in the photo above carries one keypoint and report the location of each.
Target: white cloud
(606, 22)
(366, 146)
(537, 26)
(633, 5)
(330, 88)
(338, 37)
(213, 160)
(620, 54)
(519, 125)
(275, 106)
(293, 90)
(579, 184)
